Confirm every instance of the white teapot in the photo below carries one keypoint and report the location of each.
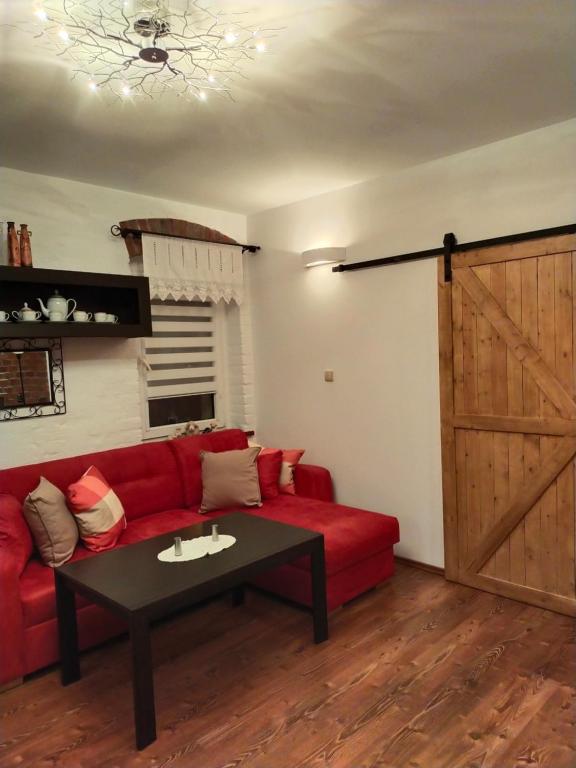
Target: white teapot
(57, 303)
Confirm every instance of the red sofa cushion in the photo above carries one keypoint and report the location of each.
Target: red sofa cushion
(313, 482)
(269, 466)
(15, 534)
(161, 522)
(187, 453)
(350, 534)
(145, 477)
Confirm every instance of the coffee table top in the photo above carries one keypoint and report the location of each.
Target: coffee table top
(131, 578)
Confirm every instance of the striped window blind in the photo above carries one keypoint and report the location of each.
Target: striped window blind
(181, 354)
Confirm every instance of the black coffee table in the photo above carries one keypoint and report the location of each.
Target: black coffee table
(132, 582)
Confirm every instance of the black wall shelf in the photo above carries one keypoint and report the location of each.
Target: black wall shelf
(126, 296)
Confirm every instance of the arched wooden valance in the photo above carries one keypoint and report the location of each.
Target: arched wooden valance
(132, 229)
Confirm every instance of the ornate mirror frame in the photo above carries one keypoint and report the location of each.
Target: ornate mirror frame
(56, 372)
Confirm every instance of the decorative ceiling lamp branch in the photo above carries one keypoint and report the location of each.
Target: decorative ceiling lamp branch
(133, 48)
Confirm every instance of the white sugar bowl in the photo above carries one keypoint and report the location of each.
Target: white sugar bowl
(26, 314)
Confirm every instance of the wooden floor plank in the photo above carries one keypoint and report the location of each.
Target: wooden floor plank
(419, 672)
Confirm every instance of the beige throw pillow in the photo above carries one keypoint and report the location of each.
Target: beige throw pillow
(53, 527)
(228, 478)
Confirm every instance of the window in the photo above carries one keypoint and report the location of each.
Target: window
(182, 381)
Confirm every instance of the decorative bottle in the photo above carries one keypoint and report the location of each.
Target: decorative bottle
(25, 247)
(13, 247)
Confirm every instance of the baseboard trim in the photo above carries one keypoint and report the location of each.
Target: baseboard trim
(422, 566)
(12, 684)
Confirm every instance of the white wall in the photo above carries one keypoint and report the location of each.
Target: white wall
(71, 223)
(377, 426)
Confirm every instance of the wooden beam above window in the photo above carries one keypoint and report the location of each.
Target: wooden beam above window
(133, 229)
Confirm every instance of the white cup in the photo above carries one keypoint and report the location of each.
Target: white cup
(101, 317)
(112, 318)
(4, 316)
(82, 317)
(56, 317)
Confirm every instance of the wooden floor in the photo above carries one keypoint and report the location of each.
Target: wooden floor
(418, 673)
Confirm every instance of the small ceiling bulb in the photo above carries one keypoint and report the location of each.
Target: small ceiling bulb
(126, 90)
(202, 95)
(63, 35)
(260, 46)
(230, 37)
(41, 14)
(93, 87)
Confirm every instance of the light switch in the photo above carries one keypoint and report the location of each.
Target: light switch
(328, 375)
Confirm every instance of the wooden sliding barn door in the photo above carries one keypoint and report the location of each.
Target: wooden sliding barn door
(507, 332)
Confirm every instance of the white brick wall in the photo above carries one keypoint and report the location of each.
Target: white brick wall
(101, 409)
(70, 222)
(240, 365)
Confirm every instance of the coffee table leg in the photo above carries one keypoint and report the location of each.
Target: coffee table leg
(67, 631)
(238, 595)
(319, 605)
(142, 681)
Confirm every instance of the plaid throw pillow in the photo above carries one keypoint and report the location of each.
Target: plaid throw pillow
(98, 511)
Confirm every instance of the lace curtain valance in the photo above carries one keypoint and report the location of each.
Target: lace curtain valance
(193, 270)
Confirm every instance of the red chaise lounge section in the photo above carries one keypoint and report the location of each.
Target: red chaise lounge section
(160, 486)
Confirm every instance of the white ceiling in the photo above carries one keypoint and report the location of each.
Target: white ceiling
(350, 90)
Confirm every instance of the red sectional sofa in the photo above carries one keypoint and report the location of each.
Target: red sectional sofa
(160, 487)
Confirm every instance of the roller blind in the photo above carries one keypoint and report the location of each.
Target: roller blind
(180, 355)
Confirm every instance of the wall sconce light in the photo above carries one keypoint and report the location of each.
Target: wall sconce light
(320, 256)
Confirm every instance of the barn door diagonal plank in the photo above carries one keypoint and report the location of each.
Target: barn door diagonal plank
(516, 342)
(523, 502)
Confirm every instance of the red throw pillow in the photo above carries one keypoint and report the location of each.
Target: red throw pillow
(289, 460)
(98, 511)
(269, 466)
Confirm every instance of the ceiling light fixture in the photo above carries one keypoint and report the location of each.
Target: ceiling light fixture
(151, 47)
(317, 257)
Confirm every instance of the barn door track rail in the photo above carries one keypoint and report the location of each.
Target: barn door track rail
(450, 244)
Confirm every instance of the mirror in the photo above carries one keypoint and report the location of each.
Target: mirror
(25, 379)
(31, 378)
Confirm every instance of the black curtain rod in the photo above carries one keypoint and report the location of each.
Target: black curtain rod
(450, 246)
(123, 231)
